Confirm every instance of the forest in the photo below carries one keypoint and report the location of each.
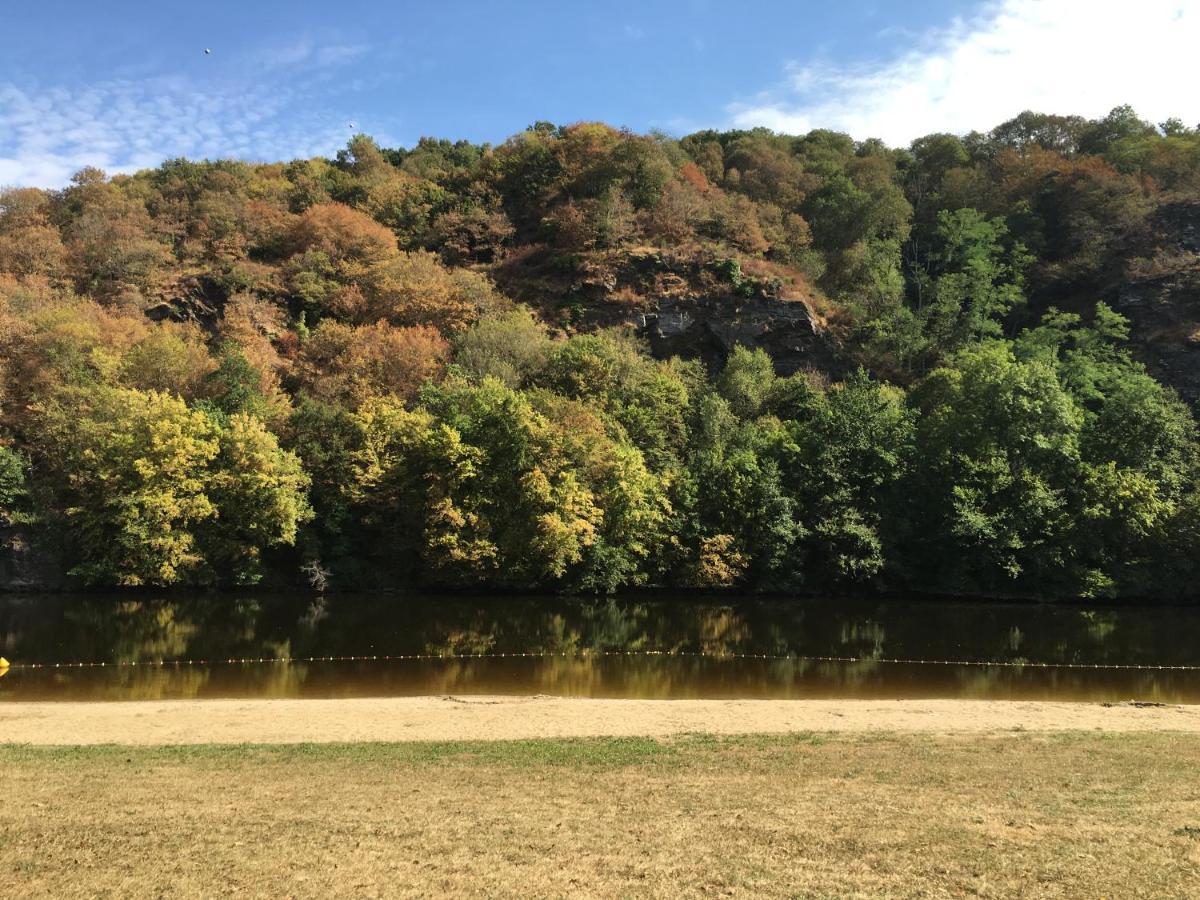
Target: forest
(972, 370)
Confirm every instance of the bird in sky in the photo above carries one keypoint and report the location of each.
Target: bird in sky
(207, 52)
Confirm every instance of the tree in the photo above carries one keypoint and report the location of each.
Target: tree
(743, 522)
(613, 372)
(12, 482)
(1138, 447)
(509, 346)
(1121, 123)
(326, 438)
(747, 381)
(1060, 134)
(860, 227)
(172, 358)
(131, 468)
(994, 487)
(971, 281)
(110, 244)
(155, 493)
(844, 462)
(260, 494)
(496, 498)
(347, 364)
(30, 244)
(934, 156)
(236, 385)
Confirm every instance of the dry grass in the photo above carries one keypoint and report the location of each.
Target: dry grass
(1065, 815)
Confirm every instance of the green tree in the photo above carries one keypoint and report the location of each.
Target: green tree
(972, 279)
(132, 469)
(744, 523)
(844, 461)
(500, 503)
(510, 346)
(1138, 447)
(155, 493)
(13, 489)
(259, 491)
(994, 488)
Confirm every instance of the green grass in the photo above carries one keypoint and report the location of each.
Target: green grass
(601, 752)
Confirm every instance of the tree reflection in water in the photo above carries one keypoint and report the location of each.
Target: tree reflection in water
(579, 647)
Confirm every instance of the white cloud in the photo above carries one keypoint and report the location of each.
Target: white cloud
(122, 125)
(306, 53)
(1058, 56)
(337, 54)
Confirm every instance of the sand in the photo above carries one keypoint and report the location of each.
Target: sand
(511, 718)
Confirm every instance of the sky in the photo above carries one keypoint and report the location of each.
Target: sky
(123, 85)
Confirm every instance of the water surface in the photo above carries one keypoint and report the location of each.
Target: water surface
(181, 646)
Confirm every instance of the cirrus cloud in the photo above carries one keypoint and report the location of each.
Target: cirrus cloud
(47, 133)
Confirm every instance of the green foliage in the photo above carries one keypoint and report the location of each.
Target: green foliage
(325, 437)
(155, 493)
(742, 515)
(998, 444)
(510, 346)
(132, 474)
(495, 499)
(260, 494)
(13, 488)
(747, 381)
(235, 386)
(731, 271)
(846, 460)
(209, 362)
(971, 280)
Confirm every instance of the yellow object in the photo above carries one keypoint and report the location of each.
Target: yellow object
(3, 663)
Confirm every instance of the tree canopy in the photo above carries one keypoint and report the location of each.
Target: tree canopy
(431, 364)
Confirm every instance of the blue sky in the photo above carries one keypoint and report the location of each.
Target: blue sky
(125, 84)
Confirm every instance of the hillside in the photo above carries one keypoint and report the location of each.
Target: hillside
(589, 359)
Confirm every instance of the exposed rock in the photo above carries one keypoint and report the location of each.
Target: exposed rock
(710, 329)
(688, 304)
(197, 299)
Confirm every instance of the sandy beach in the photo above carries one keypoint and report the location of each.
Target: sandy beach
(511, 718)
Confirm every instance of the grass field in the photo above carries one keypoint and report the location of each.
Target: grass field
(1012, 815)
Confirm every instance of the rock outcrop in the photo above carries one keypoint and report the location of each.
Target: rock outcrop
(710, 328)
(196, 299)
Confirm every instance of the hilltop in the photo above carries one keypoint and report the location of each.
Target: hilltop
(220, 370)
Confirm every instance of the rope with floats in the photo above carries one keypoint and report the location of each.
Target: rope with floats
(582, 655)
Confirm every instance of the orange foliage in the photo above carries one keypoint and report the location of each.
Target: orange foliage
(348, 364)
(65, 341)
(254, 324)
(29, 243)
(343, 234)
(693, 175)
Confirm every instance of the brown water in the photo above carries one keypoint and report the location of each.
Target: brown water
(180, 647)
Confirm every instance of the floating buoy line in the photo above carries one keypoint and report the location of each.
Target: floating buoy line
(585, 654)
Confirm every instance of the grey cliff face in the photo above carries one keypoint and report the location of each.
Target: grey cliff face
(710, 329)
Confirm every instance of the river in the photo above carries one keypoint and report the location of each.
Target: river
(122, 647)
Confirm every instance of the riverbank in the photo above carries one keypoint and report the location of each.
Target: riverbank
(460, 718)
(884, 814)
